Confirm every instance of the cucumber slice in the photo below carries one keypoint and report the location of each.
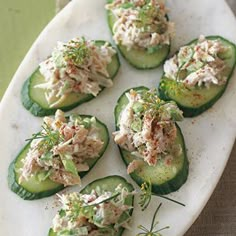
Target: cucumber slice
(140, 58)
(33, 188)
(108, 183)
(33, 99)
(196, 100)
(165, 179)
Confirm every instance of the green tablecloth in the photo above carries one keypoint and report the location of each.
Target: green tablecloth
(20, 23)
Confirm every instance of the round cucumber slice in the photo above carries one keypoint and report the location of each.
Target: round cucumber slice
(33, 99)
(196, 100)
(164, 178)
(108, 183)
(140, 58)
(33, 188)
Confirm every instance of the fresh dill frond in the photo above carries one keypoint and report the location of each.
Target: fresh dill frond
(48, 137)
(146, 196)
(158, 108)
(152, 103)
(76, 52)
(152, 231)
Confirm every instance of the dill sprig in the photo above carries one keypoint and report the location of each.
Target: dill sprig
(76, 52)
(152, 231)
(146, 196)
(152, 103)
(157, 108)
(48, 137)
(151, 98)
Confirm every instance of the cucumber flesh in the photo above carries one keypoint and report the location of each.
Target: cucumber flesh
(33, 99)
(140, 58)
(196, 100)
(108, 183)
(33, 188)
(164, 178)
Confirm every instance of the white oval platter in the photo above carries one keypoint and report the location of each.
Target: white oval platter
(209, 137)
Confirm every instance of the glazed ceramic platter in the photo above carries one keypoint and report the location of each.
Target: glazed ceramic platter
(209, 137)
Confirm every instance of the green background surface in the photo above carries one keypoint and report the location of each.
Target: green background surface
(20, 23)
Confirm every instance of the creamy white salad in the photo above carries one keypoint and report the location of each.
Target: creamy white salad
(62, 149)
(147, 129)
(141, 24)
(78, 66)
(198, 64)
(96, 214)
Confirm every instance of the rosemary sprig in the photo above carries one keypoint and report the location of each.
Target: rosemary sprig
(146, 196)
(152, 231)
(49, 137)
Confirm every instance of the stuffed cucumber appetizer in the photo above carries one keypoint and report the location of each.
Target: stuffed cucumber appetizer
(102, 208)
(151, 144)
(141, 31)
(76, 72)
(198, 74)
(58, 156)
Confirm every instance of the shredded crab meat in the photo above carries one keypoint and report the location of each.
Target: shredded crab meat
(64, 76)
(200, 62)
(74, 144)
(142, 25)
(154, 139)
(101, 214)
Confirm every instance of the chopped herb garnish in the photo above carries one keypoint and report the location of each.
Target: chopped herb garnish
(136, 125)
(149, 13)
(137, 107)
(154, 49)
(69, 166)
(78, 207)
(62, 213)
(86, 122)
(66, 232)
(43, 175)
(127, 5)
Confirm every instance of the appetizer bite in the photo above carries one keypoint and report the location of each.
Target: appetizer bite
(102, 208)
(198, 74)
(58, 156)
(76, 72)
(141, 31)
(151, 144)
